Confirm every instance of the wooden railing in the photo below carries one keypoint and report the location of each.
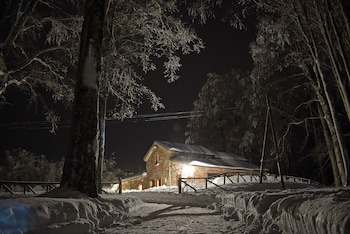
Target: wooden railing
(227, 178)
(25, 187)
(15, 187)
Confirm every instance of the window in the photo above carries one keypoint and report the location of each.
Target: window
(157, 158)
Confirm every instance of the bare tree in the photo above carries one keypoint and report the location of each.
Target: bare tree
(33, 35)
(301, 34)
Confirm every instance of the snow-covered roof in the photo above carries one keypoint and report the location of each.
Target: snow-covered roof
(215, 162)
(201, 156)
(134, 176)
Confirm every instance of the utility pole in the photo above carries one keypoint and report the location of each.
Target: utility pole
(269, 119)
(264, 144)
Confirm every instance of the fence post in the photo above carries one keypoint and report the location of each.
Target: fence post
(224, 178)
(120, 189)
(179, 184)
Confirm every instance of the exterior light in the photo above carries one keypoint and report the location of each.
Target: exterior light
(187, 171)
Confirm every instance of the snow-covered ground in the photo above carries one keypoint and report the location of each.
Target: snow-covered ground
(165, 218)
(246, 208)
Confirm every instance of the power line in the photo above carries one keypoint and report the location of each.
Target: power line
(44, 125)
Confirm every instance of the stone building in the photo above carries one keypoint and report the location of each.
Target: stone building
(166, 162)
(134, 181)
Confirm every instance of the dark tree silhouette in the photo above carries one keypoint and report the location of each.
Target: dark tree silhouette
(80, 168)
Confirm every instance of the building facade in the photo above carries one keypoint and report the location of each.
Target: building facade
(134, 181)
(166, 162)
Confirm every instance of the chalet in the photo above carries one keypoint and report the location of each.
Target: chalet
(166, 162)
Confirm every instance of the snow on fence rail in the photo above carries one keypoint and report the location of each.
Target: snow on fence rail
(234, 178)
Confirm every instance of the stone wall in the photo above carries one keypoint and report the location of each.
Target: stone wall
(157, 168)
(133, 184)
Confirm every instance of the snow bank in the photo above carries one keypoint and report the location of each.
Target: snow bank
(266, 208)
(290, 211)
(60, 215)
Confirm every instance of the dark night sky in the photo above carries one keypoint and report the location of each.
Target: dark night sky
(226, 48)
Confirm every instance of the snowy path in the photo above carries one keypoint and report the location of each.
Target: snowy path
(165, 218)
(320, 211)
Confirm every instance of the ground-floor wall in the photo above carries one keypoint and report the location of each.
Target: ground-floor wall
(166, 173)
(136, 184)
(200, 175)
(170, 173)
(181, 170)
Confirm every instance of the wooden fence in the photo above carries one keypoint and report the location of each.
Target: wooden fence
(33, 187)
(234, 178)
(16, 187)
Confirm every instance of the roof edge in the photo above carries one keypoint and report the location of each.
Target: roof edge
(154, 146)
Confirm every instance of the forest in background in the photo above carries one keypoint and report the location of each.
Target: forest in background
(23, 165)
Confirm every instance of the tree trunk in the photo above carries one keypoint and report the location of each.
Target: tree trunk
(102, 137)
(335, 129)
(330, 148)
(334, 136)
(323, 94)
(17, 27)
(80, 169)
(317, 142)
(334, 51)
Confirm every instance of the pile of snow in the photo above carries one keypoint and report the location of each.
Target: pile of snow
(290, 211)
(77, 214)
(258, 208)
(266, 208)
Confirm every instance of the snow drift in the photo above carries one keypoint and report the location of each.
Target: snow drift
(60, 215)
(262, 210)
(303, 211)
